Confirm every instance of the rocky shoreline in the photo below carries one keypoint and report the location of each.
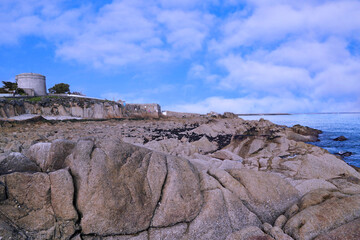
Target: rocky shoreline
(61, 107)
(198, 177)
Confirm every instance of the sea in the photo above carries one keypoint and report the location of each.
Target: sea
(333, 125)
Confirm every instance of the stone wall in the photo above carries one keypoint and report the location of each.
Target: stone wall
(72, 107)
(76, 107)
(151, 110)
(180, 114)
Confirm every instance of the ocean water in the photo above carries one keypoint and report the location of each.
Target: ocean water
(332, 125)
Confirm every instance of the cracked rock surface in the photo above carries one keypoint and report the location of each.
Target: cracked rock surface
(192, 178)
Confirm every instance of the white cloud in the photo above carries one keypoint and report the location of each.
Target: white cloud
(140, 95)
(264, 105)
(185, 30)
(179, 4)
(284, 20)
(260, 77)
(21, 18)
(119, 33)
(309, 54)
(340, 81)
(198, 71)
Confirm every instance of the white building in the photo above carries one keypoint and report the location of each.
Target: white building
(34, 84)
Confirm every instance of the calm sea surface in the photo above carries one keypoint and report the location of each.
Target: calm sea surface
(333, 125)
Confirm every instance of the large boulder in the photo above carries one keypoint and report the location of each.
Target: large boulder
(322, 211)
(51, 156)
(268, 194)
(340, 139)
(213, 221)
(16, 162)
(39, 153)
(123, 188)
(40, 205)
(181, 198)
(324, 166)
(58, 151)
(309, 134)
(348, 231)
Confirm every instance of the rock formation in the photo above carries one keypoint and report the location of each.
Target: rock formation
(193, 178)
(340, 139)
(76, 107)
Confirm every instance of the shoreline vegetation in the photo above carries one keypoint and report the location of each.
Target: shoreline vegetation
(182, 176)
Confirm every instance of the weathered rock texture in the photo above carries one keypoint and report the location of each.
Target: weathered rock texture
(193, 178)
(151, 110)
(38, 206)
(76, 107)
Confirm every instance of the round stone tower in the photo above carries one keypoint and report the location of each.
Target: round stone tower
(34, 84)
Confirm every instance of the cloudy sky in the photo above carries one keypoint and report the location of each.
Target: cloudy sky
(244, 56)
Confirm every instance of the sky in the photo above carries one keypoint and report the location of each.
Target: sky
(242, 56)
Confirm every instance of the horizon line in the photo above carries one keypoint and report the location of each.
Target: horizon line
(276, 114)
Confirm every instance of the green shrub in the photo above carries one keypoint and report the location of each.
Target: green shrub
(60, 88)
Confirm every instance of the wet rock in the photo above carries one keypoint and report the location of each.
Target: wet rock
(340, 139)
(344, 154)
(301, 138)
(304, 130)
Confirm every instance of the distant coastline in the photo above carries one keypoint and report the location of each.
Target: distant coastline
(281, 114)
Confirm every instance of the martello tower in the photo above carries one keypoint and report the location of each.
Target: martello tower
(34, 84)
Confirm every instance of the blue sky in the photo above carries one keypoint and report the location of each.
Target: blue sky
(244, 56)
